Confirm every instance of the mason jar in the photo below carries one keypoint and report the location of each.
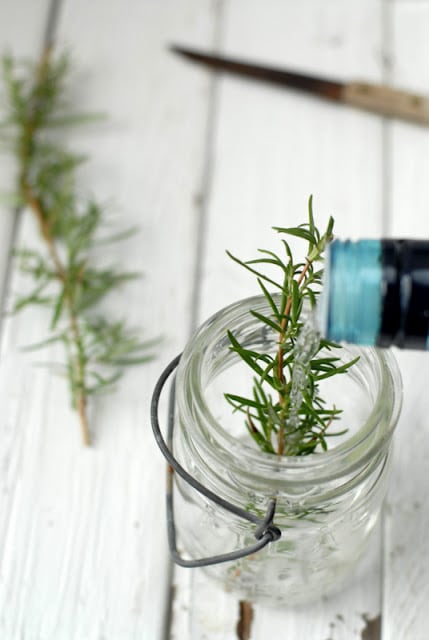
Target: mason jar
(327, 503)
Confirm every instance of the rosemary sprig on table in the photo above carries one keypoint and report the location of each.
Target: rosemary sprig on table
(65, 280)
(295, 419)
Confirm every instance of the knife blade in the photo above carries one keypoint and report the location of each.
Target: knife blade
(380, 99)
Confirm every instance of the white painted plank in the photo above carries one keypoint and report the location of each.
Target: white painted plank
(82, 530)
(406, 589)
(24, 35)
(275, 147)
(272, 148)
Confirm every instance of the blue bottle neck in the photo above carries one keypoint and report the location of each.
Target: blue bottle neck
(351, 306)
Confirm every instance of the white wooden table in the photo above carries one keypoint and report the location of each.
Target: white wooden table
(202, 164)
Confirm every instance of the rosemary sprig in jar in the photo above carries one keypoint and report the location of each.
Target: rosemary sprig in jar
(65, 279)
(294, 420)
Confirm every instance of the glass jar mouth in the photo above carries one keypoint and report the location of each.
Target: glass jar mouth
(210, 343)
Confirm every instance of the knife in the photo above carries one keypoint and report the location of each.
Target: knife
(376, 98)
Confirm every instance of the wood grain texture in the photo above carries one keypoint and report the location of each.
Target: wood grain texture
(273, 148)
(406, 583)
(202, 165)
(82, 531)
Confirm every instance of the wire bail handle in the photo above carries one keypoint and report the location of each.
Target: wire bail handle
(266, 531)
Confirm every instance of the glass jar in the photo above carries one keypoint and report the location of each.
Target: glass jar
(327, 502)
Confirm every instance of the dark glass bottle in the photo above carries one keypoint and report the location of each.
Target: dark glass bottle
(376, 292)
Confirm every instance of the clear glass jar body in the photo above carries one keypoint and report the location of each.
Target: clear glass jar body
(327, 502)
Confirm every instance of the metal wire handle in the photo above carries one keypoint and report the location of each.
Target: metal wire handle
(265, 532)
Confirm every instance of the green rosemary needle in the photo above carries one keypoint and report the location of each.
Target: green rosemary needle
(286, 414)
(65, 278)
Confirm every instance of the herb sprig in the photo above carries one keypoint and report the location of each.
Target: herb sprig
(286, 414)
(65, 279)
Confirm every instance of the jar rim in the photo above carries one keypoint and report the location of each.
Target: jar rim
(353, 452)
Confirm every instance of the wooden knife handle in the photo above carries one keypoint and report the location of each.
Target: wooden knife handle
(393, 103)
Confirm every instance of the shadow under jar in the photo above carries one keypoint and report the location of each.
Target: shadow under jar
(327, 502)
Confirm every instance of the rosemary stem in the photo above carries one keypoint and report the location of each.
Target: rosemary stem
(83, 418)
(294, 419)
(280, 354)
(77, 359)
